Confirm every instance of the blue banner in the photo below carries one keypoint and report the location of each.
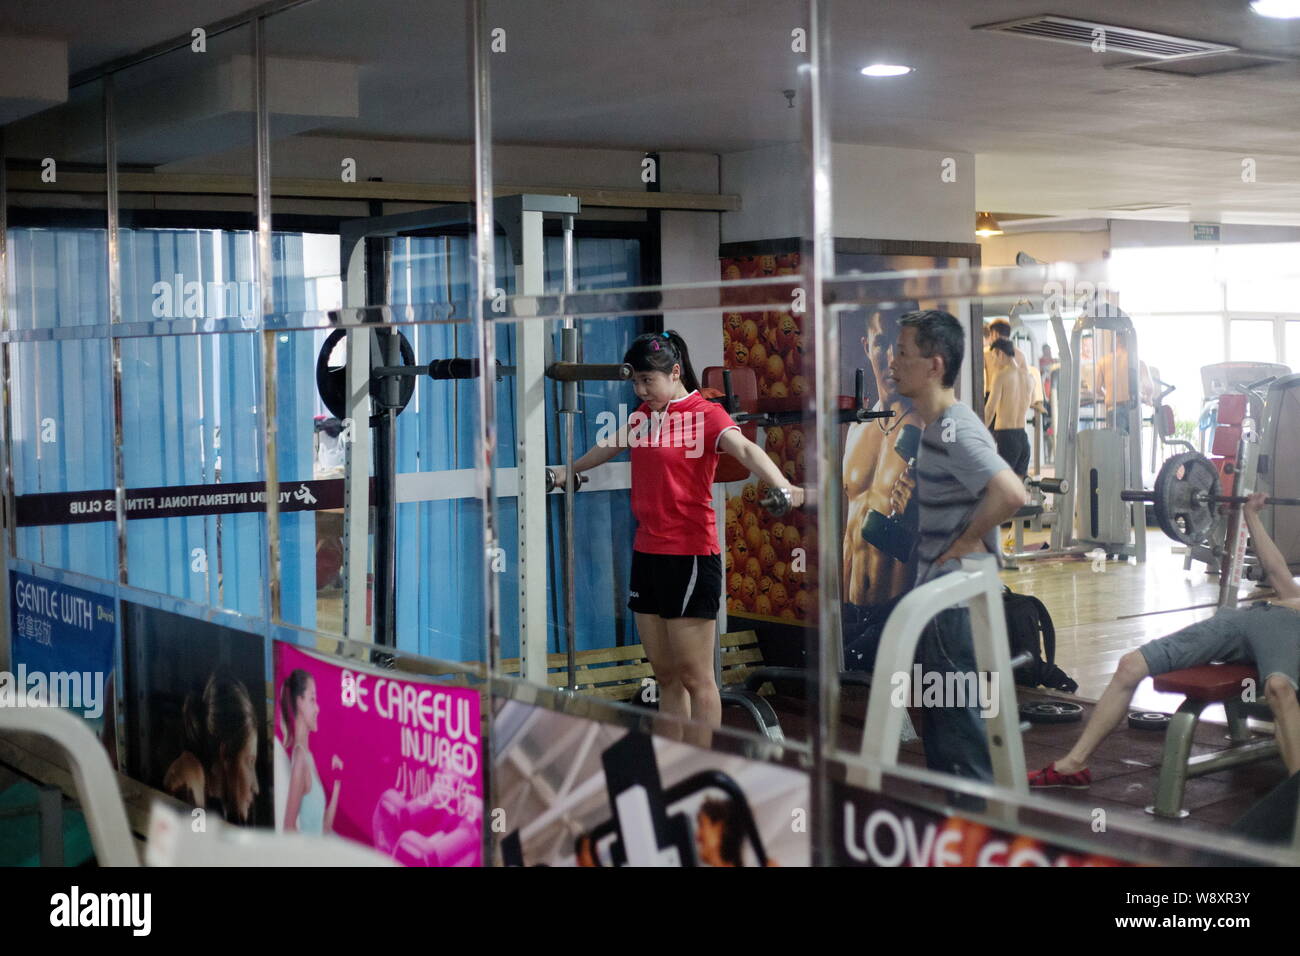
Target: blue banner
(61, 630)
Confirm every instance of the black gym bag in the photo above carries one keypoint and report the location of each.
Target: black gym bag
(1030, 630)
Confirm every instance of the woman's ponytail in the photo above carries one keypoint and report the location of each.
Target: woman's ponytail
(659, 352)
(688, 373)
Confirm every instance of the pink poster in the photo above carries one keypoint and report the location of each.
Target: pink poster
(390, 762)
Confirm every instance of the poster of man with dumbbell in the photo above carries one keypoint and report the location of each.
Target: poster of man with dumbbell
(879, 457)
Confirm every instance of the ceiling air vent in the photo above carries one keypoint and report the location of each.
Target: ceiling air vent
(1155, 46)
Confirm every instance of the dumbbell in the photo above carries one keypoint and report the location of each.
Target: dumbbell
(780, 501)
(579, 479)
(887, 533)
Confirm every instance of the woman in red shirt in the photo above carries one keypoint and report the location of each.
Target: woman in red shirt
(675, 438)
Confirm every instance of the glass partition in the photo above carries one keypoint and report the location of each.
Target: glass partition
(59, 428)
(697, 286)
(677, 577)
(371, 141)
(593, 104)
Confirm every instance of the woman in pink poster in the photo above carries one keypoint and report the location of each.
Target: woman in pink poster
(305, 809)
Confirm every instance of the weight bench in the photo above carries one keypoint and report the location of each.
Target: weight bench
(1201, 687)
(1023, 515)
(1032, 513)
(623, 673)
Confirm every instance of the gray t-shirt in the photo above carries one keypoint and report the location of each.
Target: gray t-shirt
(956, 461)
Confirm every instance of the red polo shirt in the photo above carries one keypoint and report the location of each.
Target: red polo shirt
(674, 456)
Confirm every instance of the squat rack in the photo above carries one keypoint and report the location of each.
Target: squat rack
(364, 267)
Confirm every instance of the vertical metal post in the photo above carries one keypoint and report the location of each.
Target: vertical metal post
(817, 262)
(1066, 430)
(266, 306)
(356, 487)
(356, 470)
(1138, 510)
(1038, 443)
(569, 408)
(485, 332)
(1234, 554)
(114, 318)
(6, 415)
(530, 454)
(385, 597)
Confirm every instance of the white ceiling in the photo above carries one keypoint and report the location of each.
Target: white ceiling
(97, 31)
(1055, 131)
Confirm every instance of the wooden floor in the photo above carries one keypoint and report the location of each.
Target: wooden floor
(1086, 606)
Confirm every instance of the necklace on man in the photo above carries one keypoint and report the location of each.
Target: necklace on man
(898, 420)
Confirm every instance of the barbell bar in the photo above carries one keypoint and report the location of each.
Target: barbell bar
(1183, 501)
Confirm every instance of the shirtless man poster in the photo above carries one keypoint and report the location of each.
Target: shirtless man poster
(871, 475)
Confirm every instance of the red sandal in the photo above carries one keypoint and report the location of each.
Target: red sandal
(1050, 777)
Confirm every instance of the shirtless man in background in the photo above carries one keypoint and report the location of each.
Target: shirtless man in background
(872, 470)
(995, 330)
(1010, 395)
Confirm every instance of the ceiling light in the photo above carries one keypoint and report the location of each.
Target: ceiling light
(885, 69)
(986, 225)
(1281, 9)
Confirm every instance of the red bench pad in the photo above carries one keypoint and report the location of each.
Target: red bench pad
(1207, 682)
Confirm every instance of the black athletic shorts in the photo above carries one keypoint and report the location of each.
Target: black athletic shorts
(676, 585)
(1013, 447)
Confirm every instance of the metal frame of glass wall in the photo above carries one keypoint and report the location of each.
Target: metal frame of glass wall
(825, 293)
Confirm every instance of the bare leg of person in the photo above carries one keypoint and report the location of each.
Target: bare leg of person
(659, 648)
(1110, 710)
(1281, 698)
(692, 640)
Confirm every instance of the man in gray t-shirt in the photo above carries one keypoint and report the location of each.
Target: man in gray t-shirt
(957, 461)
(965, 492)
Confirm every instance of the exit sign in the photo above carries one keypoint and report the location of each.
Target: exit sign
(1205, 232)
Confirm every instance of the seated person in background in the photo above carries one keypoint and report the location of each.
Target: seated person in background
(1007, 407)
(1267, 633)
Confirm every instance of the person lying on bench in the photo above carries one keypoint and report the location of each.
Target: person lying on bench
(1267, 634)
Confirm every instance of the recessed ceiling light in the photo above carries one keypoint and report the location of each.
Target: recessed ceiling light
(885, 69)
(1281, 9)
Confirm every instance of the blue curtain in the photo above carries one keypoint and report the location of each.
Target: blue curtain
(62, 437)
(438, 542)
(192, 406)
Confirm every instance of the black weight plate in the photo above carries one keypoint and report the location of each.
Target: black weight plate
(1046, 712)
(1143, 720)
(1181, 480)
(331, 381)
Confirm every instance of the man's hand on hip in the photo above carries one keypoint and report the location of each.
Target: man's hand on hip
(959, 549)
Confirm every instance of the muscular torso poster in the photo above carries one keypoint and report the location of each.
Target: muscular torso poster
(880, 526)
